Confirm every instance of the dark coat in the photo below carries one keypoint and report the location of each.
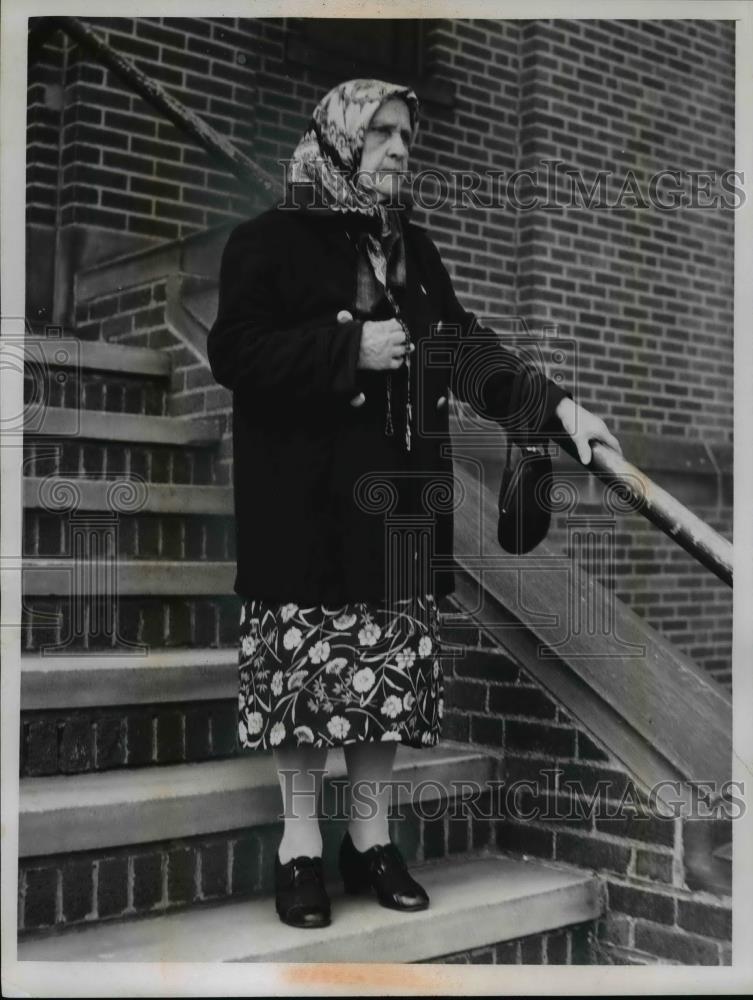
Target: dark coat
(317, 483)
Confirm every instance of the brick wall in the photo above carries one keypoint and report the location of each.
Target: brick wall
(104, 739)
(124, 166)
(652, 914)
(570, 946)
(646, 293)
(644, 296)
(657, 579)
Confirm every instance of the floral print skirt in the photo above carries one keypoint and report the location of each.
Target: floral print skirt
(324, 677)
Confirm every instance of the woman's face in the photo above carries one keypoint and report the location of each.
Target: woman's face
(386, 148)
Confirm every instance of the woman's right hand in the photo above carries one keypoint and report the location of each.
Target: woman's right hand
(382, 345)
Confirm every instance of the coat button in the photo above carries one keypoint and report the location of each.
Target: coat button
(344, 316)
(441, 402)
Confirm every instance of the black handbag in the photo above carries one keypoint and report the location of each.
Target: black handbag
(524, 493)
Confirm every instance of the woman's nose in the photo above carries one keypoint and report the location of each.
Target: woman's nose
(397, 147)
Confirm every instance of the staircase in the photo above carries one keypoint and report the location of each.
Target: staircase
(146, 834)
(145, 831)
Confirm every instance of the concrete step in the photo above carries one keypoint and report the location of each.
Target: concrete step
(71, 813)
(198, 254)
(201, 300)
(61, 422)
(474, 901)
(49, 493)
(44, 577)
(97, 355)
(162, 676)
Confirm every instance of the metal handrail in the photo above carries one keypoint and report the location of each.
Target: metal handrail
(646, 497)
(244, 168)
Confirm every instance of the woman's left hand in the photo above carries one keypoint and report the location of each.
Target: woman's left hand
(584, 426)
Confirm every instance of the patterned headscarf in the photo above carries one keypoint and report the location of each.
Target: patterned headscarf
(328, 157)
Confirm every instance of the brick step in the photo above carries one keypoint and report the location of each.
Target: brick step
(155, 677)
(135, 536)
(131, 623)
(93, 391)
(82, 390)
(70, 813)
(84, 740)
(93, 375)
(68, 352)
(475, 902)
(152, 463)
(133, 428)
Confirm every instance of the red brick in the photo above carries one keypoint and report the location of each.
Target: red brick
(710, 921)
(675, 944)
(649, 864)
(147, 880)
(181, 868)
(170, 736)
(40, 899)
(42, 747)
(533, 737)
(659, 907)
(112, 886)
(507, 953)
(76, 745)
(213, 861)
(589, 852)
(487, 731)
(525, 839)
(519, 700)
(78, 890)
(246, 870)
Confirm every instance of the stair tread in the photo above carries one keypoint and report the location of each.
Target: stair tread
(46, 576)
(69, 351)
(474, 901)
(110, 679)
(96, 494)
(154, 659)
(106, 788)
(62, 422)
(65, 813)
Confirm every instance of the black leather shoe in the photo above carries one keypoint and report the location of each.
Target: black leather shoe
(301, 899)
(382, 868)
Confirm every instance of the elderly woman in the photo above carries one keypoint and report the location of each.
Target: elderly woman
(338, 428)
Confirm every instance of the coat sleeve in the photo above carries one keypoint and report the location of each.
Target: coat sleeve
(253, 349)
(483, 369)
